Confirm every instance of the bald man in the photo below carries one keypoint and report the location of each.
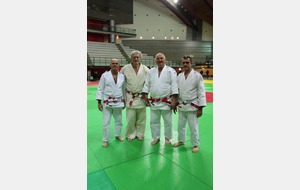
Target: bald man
(162, 86)
(110, 96)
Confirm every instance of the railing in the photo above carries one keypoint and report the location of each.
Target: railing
(196, 62)
(105, 61)
(107, 28)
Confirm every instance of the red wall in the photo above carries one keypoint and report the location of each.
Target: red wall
(96, 72)
(95, 37)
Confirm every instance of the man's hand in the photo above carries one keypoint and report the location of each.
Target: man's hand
(174, 107)
(100, 107)
(145, 98)
(199, 113)
(174, 103)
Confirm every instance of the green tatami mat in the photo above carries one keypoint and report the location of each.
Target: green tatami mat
(198, 164)
(153, 172)
(139, 165)
(99, 181)
(209, 87)
(93, 163)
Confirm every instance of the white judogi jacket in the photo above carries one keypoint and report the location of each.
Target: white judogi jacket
(191, 90)
(161, 87)
(111, 92)
(134, 84)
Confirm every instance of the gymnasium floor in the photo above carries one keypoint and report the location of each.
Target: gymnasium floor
(139, 165)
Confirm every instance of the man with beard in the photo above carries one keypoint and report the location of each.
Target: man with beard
(192, 99)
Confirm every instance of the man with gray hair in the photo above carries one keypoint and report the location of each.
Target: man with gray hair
(135, 74)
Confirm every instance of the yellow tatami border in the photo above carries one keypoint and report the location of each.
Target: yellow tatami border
(209, 81)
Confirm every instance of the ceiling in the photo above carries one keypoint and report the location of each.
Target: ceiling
(190, 11)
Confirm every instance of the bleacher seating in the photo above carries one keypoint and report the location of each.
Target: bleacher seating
(146, 59)
(101, 54)
(173, 49)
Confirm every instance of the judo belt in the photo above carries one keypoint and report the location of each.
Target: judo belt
(185, 103)
(113, 99)
(165, 99)
(133, 95)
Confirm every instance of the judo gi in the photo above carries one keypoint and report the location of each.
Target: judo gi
(161, 89)
(191, 96)
(112, 96)
(135, 106)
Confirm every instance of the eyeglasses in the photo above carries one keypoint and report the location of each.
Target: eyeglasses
(185, 62)
(115, 63)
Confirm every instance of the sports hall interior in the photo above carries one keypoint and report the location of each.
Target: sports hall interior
(176, 28)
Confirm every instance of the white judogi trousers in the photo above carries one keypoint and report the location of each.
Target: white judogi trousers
(116, 112)
(189, 117)
(136, 122)
(156, 125)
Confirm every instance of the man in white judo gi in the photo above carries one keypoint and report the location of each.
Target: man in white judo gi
(192, 99)
(135, 74)
(162, 85)
(110, 96)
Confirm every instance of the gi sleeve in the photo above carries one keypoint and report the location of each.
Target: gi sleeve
(147, 83)
(174, 83)
(101, 88)
(201, 92)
